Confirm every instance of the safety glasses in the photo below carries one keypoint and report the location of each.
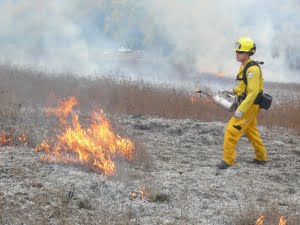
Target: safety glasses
(238, 52)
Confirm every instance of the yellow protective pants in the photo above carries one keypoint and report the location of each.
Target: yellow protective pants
(235, 128)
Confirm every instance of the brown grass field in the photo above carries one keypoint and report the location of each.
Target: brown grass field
(25, 87)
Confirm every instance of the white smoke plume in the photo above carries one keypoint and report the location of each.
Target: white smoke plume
(192, 36)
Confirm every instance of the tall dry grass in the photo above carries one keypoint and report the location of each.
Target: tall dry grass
(21, 87)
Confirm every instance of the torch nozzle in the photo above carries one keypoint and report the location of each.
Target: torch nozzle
(199, 91)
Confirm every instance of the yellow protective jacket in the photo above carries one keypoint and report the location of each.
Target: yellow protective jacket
(254, 86)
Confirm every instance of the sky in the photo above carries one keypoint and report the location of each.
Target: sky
(150, 37)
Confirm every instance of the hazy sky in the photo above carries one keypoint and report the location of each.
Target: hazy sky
(84, 36)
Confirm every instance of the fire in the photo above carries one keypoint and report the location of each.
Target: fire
(194, 99)
(11, 138)
(4, 138)
(220, 74)
(141, 193)
(260, 220)
(282, 220)
(63, 110)
(94, 146)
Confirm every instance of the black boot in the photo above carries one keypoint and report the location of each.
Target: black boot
(223, 165)
(259, 162)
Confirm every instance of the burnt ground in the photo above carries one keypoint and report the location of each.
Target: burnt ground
(175, 162)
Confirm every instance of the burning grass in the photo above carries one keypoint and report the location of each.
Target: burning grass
(94, 146)
(270, 216)
(13, 137)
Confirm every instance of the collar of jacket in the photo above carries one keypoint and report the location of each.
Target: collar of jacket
(242, 67)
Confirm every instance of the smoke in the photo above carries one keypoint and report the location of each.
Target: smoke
(160, 38)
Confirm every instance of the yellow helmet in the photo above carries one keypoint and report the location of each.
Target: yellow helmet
(245, 44)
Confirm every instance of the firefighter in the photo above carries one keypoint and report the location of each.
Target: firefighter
(244, 121)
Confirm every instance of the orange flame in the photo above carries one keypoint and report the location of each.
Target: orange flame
(63, 110)
(282, 220)
(4, 139)
(194, 99)
(10, 138)
(142, 193)
(23, 138)
(94, 146)
(220, 74)
(260, 220)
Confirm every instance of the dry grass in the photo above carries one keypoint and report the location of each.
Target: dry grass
(21, 88)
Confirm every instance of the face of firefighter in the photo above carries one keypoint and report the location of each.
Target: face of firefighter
(242, 57)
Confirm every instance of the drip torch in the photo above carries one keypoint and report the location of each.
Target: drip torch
(224, 99)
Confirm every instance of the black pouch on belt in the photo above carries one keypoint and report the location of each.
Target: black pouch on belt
(265, 101)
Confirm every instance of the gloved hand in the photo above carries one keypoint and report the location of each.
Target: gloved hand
(238, 114)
